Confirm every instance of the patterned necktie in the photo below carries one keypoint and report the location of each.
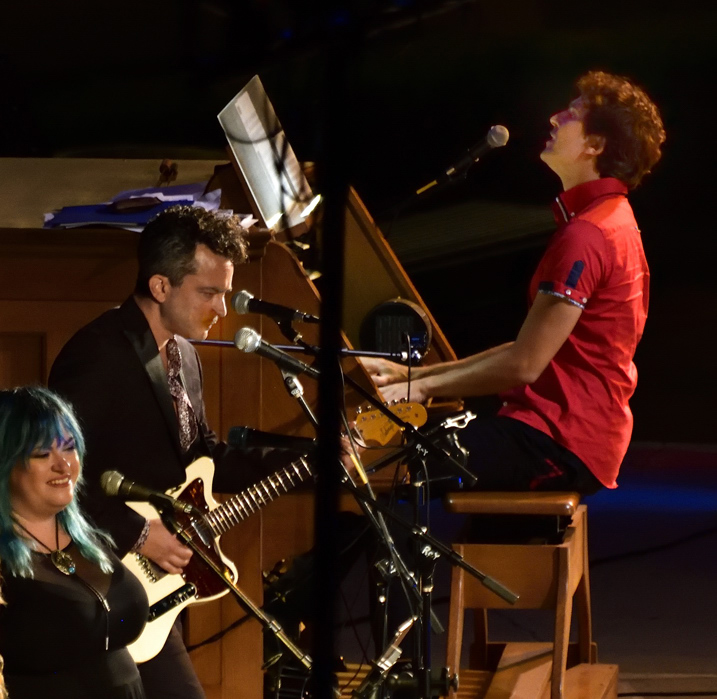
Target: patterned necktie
(187, 422)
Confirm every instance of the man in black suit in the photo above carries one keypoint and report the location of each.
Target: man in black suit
(115, 373)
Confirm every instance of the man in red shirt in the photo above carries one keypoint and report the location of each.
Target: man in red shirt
(566, 380)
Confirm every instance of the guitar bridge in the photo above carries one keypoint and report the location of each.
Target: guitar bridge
(169, 602)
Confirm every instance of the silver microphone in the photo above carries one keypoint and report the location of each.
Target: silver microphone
(496, 137)
(248, 340)
(115, 484)
(244, 302)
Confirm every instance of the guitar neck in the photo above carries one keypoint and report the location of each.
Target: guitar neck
(251, 500)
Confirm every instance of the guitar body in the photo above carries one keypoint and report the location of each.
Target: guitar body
(169, 594)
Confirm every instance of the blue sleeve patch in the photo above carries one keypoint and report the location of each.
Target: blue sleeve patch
(574, 276)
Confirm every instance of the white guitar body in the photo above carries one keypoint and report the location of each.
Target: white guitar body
(160, 585)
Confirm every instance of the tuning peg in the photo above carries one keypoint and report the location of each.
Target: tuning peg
(359, 410)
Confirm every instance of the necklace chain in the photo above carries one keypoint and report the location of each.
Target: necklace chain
(29, 533)
(60, 559)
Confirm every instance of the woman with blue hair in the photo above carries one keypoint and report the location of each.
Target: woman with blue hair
(71, 606)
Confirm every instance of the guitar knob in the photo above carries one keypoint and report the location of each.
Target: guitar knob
(359, 410)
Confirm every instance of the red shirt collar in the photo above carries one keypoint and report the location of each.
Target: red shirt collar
(570, 203)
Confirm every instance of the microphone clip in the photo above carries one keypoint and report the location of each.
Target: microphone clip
(166, 503)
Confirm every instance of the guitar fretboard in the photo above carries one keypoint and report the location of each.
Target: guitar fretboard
(251, 500)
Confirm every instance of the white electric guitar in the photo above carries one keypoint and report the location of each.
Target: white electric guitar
(168, 594)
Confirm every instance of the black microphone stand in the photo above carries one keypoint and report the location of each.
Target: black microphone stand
(308, 349)
(296, 391)
(412, 589)
(420, 585)
(166, 512)
(408, 582)
(407, 579)
(431, 550)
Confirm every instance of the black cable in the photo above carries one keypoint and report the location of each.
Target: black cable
(354, 625)
(220, 634)
(410, 366)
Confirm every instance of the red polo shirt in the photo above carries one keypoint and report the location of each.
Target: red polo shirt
(595, 261)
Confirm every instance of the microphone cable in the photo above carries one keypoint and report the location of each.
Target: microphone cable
(407, 335)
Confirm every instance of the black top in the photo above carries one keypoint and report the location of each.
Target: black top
(65, 636)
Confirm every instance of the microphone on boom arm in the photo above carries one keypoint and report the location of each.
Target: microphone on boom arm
(115, 484)
(496, 137)
(244, 302)
(249, 340)
(242, 436)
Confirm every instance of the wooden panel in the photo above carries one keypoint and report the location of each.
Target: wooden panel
(22, 359)
(76, 265)
(373, 274)
(529, 571)
(54, 321)
(523, 671)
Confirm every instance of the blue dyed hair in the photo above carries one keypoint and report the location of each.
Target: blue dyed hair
(30, 418)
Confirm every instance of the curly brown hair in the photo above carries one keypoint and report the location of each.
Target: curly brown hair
(168, 243)
(629, 121)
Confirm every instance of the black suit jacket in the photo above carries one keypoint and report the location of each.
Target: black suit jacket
(112, 374)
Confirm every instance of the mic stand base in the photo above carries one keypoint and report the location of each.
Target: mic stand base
(377, 675)
(402, 682)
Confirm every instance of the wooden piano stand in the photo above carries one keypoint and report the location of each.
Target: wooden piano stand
(546, 576)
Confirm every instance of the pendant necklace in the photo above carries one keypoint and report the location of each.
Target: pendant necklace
(60, 559)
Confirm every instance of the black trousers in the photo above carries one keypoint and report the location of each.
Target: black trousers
(170, 674)
(507, 454)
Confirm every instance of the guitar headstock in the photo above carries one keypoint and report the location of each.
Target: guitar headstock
(378, 430)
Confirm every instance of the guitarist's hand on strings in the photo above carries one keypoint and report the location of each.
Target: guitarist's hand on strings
(163, 548)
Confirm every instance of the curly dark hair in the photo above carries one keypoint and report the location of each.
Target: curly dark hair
(630, 122)
(168, 243)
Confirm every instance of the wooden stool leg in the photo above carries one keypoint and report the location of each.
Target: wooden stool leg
(479, 649)
(582, 605)
(563, 617)
(456, 612)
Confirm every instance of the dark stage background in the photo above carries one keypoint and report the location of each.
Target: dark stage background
(426, 80)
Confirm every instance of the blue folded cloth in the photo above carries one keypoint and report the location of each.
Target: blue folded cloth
(107, 215)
